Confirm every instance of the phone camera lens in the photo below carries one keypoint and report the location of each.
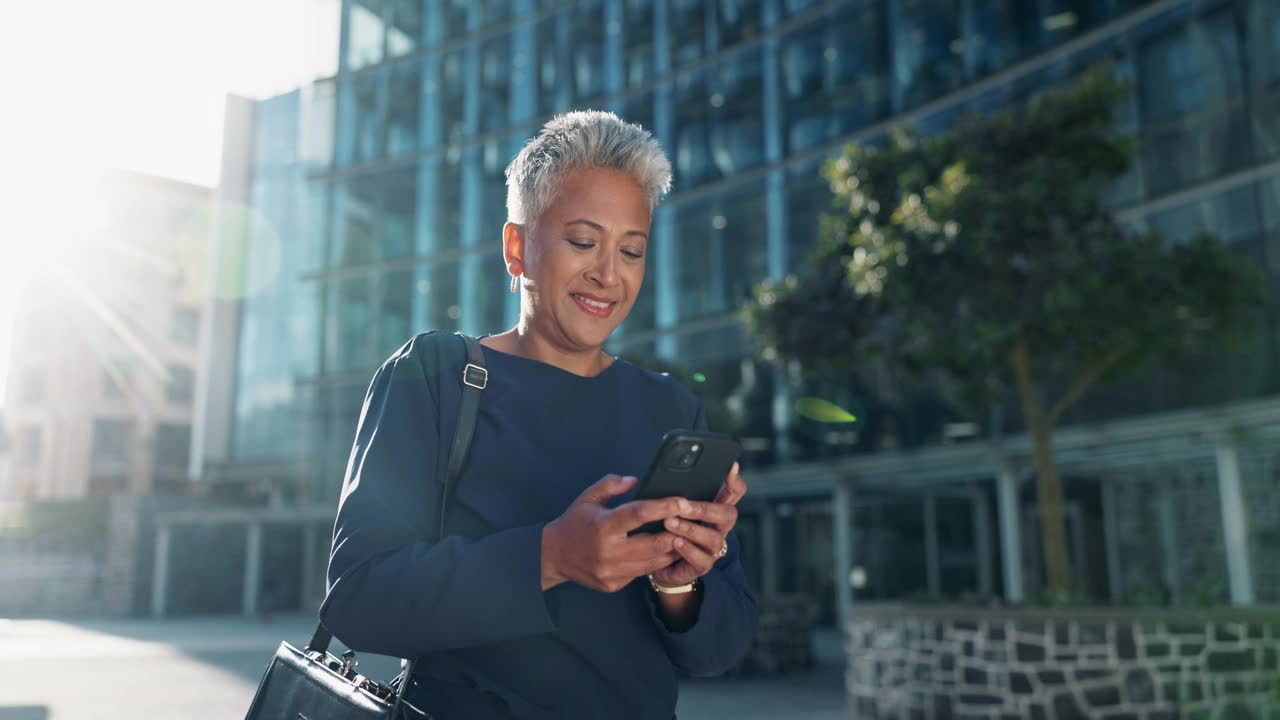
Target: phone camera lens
(696, 447)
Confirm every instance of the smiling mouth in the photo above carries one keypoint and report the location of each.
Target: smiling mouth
(597, 308)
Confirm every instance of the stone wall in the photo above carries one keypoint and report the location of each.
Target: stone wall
(1147, 665)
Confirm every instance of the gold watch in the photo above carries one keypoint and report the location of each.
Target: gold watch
(677, 590)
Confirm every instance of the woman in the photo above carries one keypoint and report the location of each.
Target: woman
(537, 603)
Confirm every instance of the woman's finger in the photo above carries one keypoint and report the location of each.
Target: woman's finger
(709, 539)
(698, 559)
(724, 517)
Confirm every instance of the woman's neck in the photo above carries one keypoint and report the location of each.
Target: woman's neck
(526, 342)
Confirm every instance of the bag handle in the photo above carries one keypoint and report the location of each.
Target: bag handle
(474, 379)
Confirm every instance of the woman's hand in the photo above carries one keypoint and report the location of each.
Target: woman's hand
(588, 544)
(701, 532)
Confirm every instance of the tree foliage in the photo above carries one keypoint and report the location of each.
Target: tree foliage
(984, 261)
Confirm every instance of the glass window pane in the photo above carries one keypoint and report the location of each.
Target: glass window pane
(742, 226)
(1061, 20)
(637, 42)
(364, 33)
(792, 7)
(494, 156)
(737, 102)
(185, 327)
(444, 304)
(1231, 216)
(378, 217)
(927, 49)
(399, 212)
(172, 450)
(551, 63)
(722, 251)
(351, 341)
(587, 49)
(446, 216)
(1270, 191)
(357, 241)
(317, 125)
(1190, 91)
(738, 20)
(403, 102)
(1264, 66)
(364, 130)
(494, 12)
(639, 109)
(111, 444)
(1191, 67)
(690, 131)
(495, 82)
(404, 26)
(181, 386)
(808, 196)
(454, 17)
(695, 260)
(451, 98)
(835, 75)
(488, 276)
(1269, 194)
(686, 31)
(395, 316)
(1004, 32)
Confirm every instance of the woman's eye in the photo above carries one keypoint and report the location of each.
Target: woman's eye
(633, 254)
(582, 245)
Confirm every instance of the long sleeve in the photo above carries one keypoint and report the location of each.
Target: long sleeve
(390, 589)
(726, 624)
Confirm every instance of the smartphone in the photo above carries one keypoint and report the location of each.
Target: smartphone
(690, 464)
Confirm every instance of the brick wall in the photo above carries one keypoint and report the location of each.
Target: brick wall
(1063, 665)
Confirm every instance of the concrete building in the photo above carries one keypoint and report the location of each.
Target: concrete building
(104, 353)
(377, 199)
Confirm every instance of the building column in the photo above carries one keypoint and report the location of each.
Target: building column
(842, 534)
(1111, 540)
(1010, 534)
(252, 569)
(1235, 523)
(769, 550)
(1168, 538)
(160, 572)
(309, 584)
(932, 561)
(982, 537)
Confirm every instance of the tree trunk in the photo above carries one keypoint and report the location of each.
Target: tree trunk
(1053, 533)
(1053, 530)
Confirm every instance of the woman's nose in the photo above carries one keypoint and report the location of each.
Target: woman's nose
(604, 271)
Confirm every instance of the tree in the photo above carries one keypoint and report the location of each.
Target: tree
(983, 262)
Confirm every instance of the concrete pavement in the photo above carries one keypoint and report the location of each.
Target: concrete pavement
(209, 668)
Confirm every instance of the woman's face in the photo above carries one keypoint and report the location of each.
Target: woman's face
(584, 264)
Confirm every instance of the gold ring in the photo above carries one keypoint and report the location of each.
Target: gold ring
(724, 549)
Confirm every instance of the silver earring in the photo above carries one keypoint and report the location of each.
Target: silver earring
(515, 287)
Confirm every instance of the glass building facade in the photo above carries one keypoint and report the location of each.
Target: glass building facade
(378, 193)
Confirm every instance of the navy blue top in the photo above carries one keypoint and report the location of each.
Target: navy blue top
(490, 642)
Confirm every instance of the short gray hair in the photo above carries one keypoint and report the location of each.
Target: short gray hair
(583, 139)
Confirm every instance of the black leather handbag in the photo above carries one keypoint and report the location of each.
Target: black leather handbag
(313, 684)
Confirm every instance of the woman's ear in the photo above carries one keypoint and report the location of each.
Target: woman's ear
(513, 248)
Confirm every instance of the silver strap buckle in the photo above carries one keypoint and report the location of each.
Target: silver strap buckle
(475, 376)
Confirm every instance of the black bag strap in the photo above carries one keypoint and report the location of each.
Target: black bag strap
(474, 379)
